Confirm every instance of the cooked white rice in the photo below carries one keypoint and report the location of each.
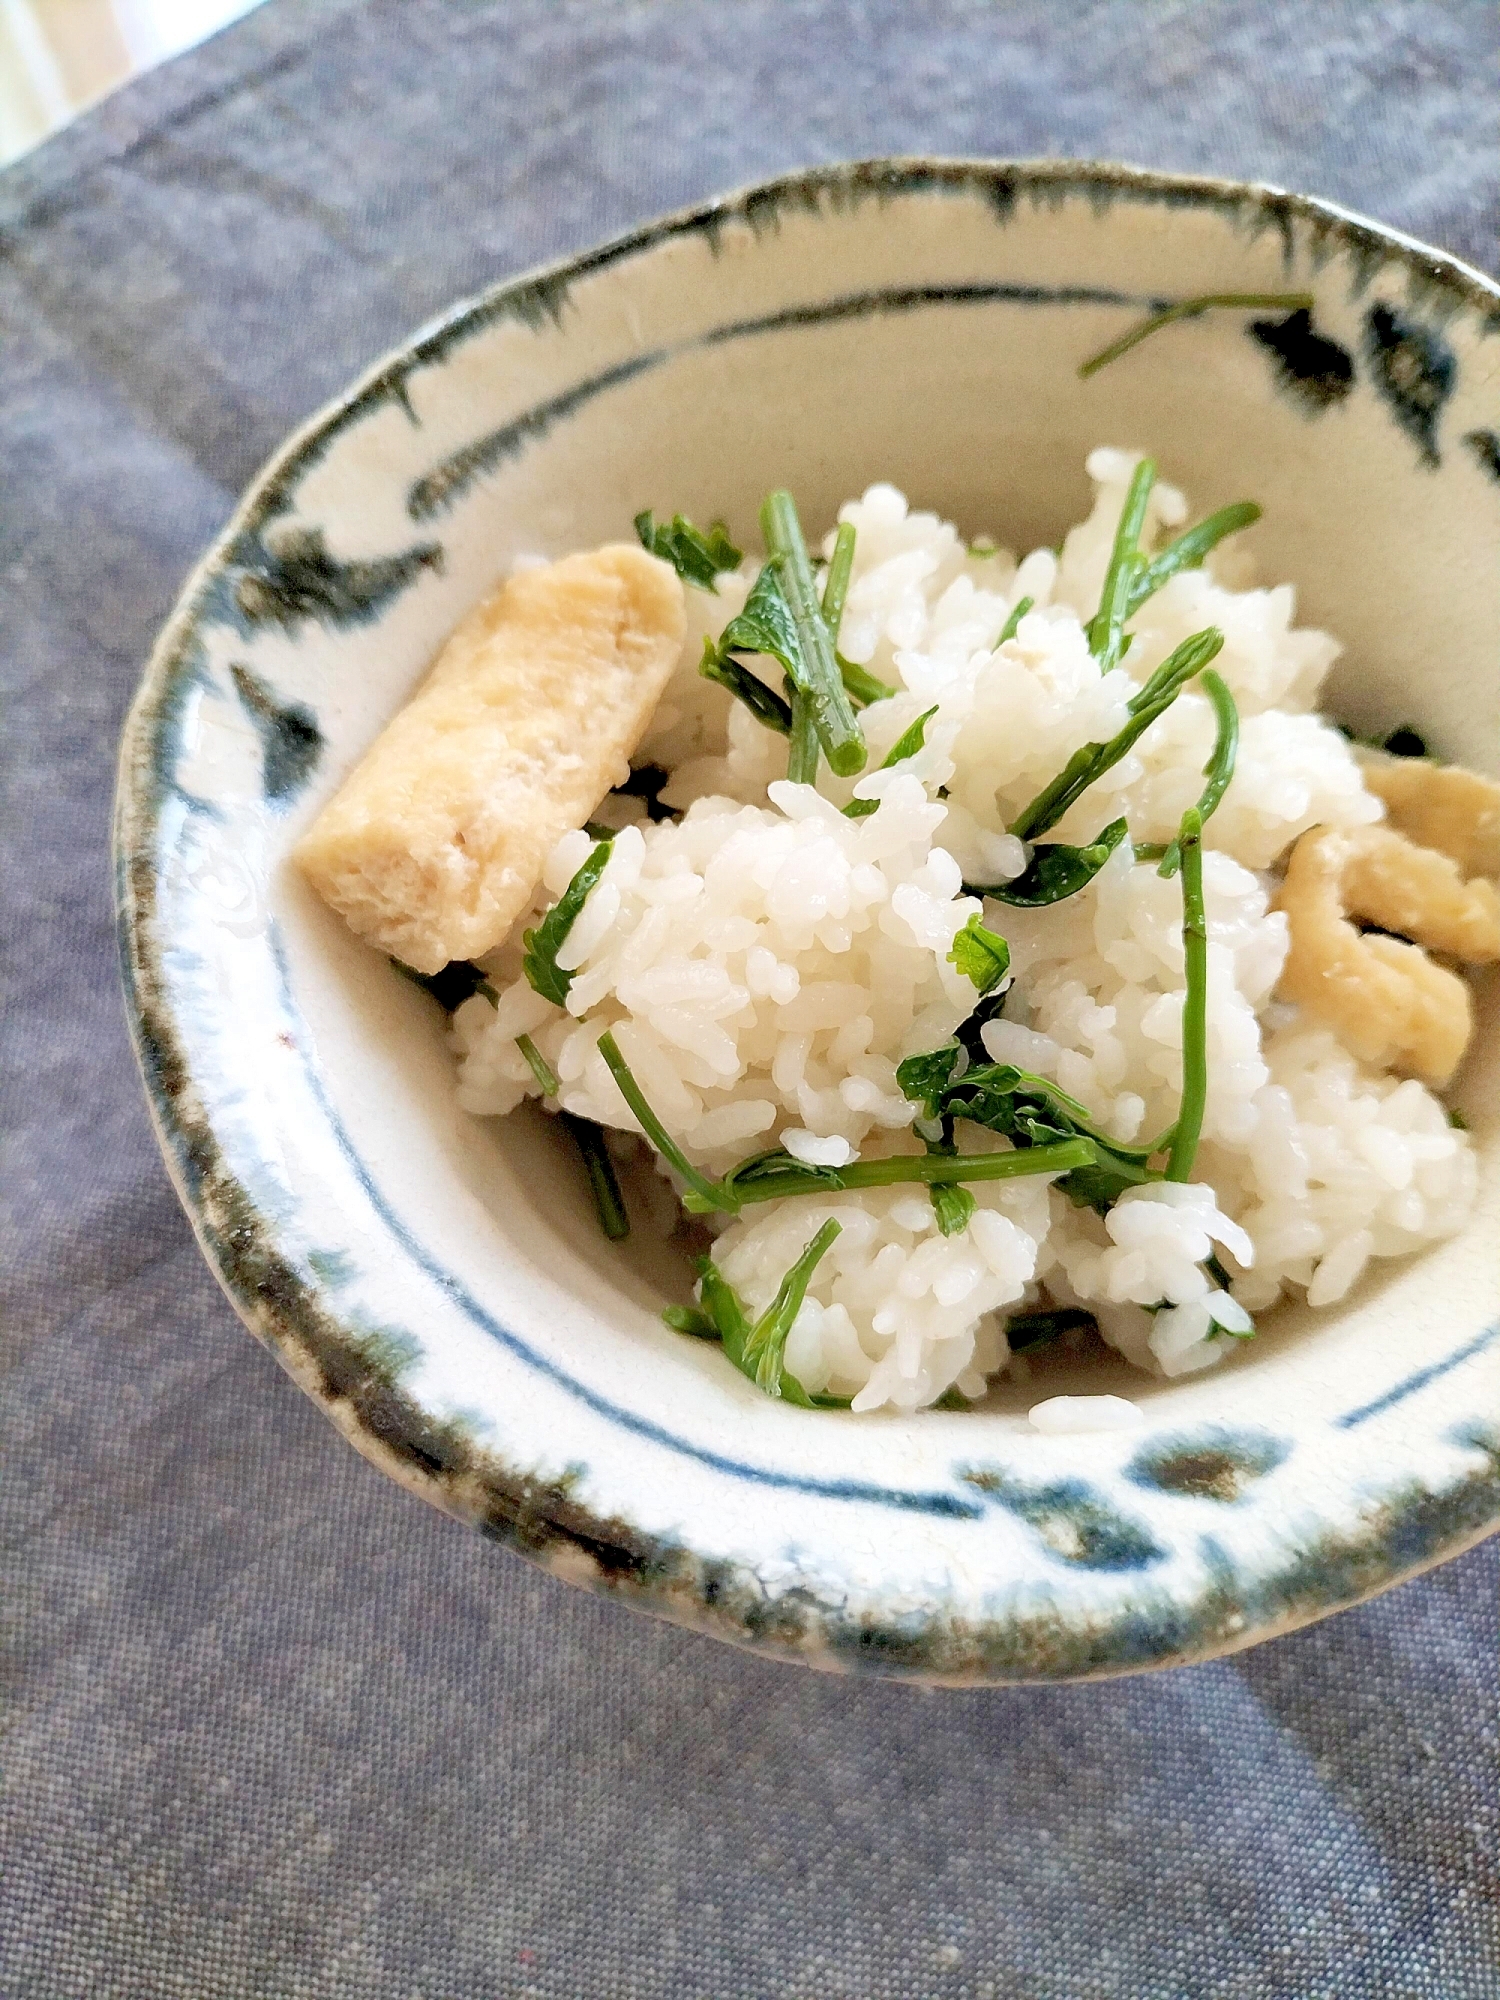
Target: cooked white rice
(765, 963)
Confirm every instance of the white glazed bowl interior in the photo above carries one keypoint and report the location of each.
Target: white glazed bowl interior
(439, 1282)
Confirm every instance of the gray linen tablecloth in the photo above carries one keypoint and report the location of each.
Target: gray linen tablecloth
(272, 1728)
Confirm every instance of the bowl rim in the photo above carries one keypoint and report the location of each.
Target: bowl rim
(293, 1314)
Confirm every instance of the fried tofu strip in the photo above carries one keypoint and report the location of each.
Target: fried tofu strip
(1386, 999)
(1390, 881)
(435, 842)
(1440, 805)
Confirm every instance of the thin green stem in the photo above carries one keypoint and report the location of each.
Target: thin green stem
(1164, 685)
(802, 750)
(766, 1345)
(802, 763)
(1106, 630)
(1190, 550)
(1054, 799)
(1094, 759)
(1012, 624)
(707, 1191)
(594, 1152)
(931, 1168)
(836, 580)
(1195, 1001)
(927, 1168)
(1190, 309)
(1219, 769)
(540, 1068)
(837, 726)
(722, 1304)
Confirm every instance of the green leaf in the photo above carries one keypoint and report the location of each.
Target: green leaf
(1214, 1266)
(982, 1093)
(1012, 1103)
(766, 625)
(1056, 870)
(1218, 1329)
(724, 1317)
(861, 686)
(696, 557)
(925, 1079)
(1012, 624)
(1031, 1112)
(953, 1206)
(722, 1305)
(907, 744)
(767, 1174)
(1100, 1186)
(688, 1319)
(543, 944)
(980, 955)
(765, 1349)
(763, 702)
(793, 1392)
(970, 1032)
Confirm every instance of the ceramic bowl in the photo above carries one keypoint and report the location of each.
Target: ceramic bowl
(437, 1283)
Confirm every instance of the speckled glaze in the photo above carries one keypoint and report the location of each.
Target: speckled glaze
(437, 1283)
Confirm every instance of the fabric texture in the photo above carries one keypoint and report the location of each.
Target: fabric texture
(271, 1727)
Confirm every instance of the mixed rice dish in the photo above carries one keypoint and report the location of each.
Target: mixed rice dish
(985, 950)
